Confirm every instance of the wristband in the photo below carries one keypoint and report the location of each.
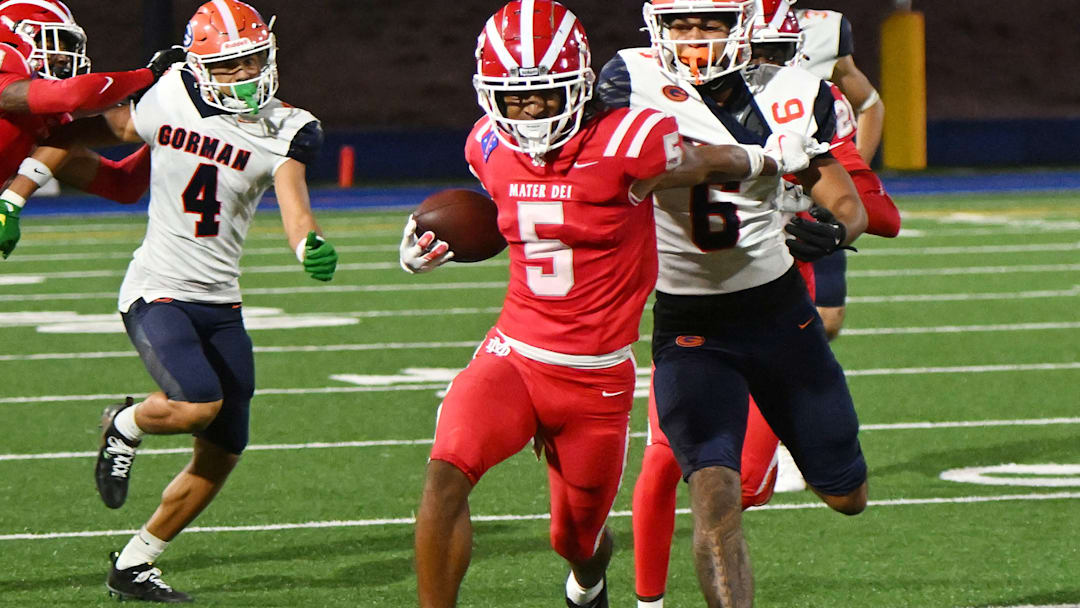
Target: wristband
(36, 171)
(14, 198)
(870, 101)
(756, 157)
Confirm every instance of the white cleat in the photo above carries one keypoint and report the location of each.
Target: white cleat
(788, 476)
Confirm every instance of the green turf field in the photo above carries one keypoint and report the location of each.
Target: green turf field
(962, 345)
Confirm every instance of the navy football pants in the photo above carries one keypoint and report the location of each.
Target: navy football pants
(199, 353)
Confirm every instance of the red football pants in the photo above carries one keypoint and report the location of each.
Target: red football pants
(580, 417)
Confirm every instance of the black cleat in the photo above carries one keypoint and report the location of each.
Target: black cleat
(142, 582)
(600, 601)
(115, 456)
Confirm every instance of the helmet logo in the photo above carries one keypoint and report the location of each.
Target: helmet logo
(236, 44)
(189, 36)
(527, 72)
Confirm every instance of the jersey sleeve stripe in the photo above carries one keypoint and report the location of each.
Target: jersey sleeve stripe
(620, 131)
(643, 133)
(491, 31)
(557, 42)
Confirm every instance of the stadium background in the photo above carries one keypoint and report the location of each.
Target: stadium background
(394, 78)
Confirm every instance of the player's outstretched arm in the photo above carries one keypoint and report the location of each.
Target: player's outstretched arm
(867, 103)
(709, 164)
(316, 253)
(85, 94)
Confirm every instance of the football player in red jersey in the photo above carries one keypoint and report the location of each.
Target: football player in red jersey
(573, 190)
(44, 79)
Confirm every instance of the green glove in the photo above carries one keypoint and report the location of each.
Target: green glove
(320, 259)
(9, 228)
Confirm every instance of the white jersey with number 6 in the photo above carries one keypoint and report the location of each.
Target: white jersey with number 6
(209, 169)
(721, 238)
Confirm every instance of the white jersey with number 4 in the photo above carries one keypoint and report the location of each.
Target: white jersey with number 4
(722, 238)
(209, 169)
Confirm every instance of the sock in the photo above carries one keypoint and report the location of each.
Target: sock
(125, 423)
(654, 519)
(653, 604)
(143, 548)
(580, 595)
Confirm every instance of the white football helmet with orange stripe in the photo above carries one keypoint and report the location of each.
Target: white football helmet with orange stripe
(225, 30)
(693, 60)
(58, 43)
(532, 45)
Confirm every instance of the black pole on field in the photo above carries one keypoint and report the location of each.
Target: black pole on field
(158, 30)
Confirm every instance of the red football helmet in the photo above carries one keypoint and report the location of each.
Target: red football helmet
(775, 24)
(696, 60)
(224, 30)
(23, 50)
(58, 44)
(533, 45)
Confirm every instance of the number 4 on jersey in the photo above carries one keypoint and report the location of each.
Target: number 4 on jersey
(200, 197)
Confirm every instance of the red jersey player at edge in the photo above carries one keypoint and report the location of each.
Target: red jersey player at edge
(44, 78)
(572, 189)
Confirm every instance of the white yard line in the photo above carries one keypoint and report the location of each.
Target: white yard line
(126, 255)
(322, 445)
(291, 268)
(276, 291)
(378, 346)
(966, 270)
(959, 250)
(404, 521)
(641, 389)
(966, 297)
(394, 287)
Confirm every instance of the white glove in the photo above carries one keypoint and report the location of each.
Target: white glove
(790, 150)
(424, 253)
(791, 198)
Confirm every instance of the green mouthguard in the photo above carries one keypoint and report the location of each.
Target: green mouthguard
(246, 93)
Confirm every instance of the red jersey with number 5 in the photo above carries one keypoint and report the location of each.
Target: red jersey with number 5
(582, 249)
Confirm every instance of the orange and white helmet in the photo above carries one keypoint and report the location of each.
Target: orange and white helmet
(224, 30)
(58, 44)
(694, 60)
(775, 24)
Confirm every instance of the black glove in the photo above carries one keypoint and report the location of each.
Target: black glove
(815, 240)
(163, 60)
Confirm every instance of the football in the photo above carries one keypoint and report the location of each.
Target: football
(465, 219)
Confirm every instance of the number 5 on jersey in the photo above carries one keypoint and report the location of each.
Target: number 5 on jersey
(560, 280)
(200, 197)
